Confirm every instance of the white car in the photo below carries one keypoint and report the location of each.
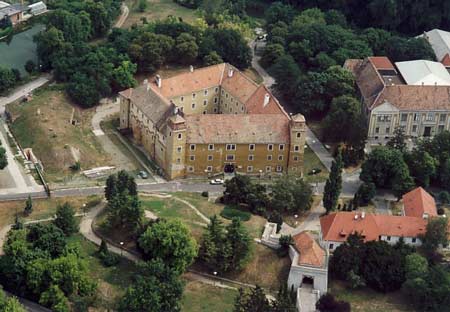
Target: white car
(216, 182)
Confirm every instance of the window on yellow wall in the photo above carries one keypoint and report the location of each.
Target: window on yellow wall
(193, 95)
(206, 92)
(230, 157)
(210, 157)
(281, 147)
(192, 147)
(251, 147)
(182, 99)
(269, 157)
(251, 157)
(180, 136)
(280, 157)
(295, 158)
(210, 147)
(296, 148)
(179, 149)
(270, 147)
(279, 168)
(249, 168)
(209, 168)
(268, 168)
(205, 102)
(190, 169)
(193, 105)
(299, 134)
(192, 157)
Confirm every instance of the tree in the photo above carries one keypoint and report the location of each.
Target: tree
(10, 304)
(333, 185)
(75, 27)
(83, 90)
(111, 187)
(30, 66)
(444, 197)
(253, 301)
(286, 300)
(214, 249)
(212, 58)
(385, 167)
(398, 140)
(286, 73)
(327, 303)
(66, 220)
(344, 110)
(123, 76)
(3, 158)
(125, 211)
(55, 299)
(169, 241)
(28, 206)
(365, 193)
(279, 12)
(106, 257)
(158, 287)
(186, 49)
(271, 54)
(100, 19)
(436, 235)
(239, 241)
(422, 166)
(291, 195)
(232, 47)
(7, 79)
(48, 238)
(49, 42)
(142, 6)
(416, 266)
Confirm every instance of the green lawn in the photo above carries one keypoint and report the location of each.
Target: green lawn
(112, 281)
(311, 161)
(368, 300)
(199, 297)
(158, 10)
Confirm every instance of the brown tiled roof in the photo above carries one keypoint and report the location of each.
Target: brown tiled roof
(255, 103)
(239, 129)
(187, 82)
(369, 81)
(148, 100)
(410, 97)
(446, 60)
(310, 253)
(417, 202)
(338, 226)
(381, 62)
(238, 85)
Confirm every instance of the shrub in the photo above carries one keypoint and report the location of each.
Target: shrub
(106, 257)
(285, 242)
(441, 211)
(328, 303)
(444, 197)
(205, 194)
(230, 213)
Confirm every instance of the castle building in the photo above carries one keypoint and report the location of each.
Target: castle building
(412, 95)
(213, 120)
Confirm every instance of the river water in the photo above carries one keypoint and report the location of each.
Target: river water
(15, 53)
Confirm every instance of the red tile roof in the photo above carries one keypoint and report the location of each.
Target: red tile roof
(419, 202)
(238, 129)
(446, 60)
(310, 253)
(338, 226)
(381, 62)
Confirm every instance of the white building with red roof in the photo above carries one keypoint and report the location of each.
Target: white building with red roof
(418, 207)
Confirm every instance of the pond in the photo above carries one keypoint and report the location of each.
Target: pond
(16, 52)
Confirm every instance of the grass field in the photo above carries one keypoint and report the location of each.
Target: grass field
(42, 208)
(44, 125)
(112, 281)
(198, 297)
(367, 300)
(311, 161)
(158, 10)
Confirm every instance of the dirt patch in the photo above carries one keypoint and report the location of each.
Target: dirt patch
(44, 124)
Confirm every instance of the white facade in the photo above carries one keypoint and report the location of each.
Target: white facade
(298, 273)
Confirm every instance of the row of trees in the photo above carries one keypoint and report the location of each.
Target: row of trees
(287, 194)
(40, 265)
(302, 48)
(385, 267)
(394, 167)
(255, 300)
(225, 249)
(402, 16)
(167, 248)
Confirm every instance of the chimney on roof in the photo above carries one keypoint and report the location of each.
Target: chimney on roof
(266, 99)
(158, 81)
(230, 72)
(145, 83)
(191, 68)
(175, 110)
(356, 216)
(363, 215)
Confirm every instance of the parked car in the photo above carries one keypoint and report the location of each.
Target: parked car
(216, 182)
(261, 37)
(143, 174)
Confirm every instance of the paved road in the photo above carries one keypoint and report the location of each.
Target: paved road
(123, 17)
(21, 91)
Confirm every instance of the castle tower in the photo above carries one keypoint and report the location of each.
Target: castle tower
(297, 127)
(176, 147)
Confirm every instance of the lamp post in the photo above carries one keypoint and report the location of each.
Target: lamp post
(260, 175)
(121, 249)
(84, 209)
(215, 275)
